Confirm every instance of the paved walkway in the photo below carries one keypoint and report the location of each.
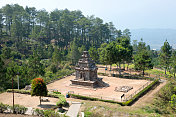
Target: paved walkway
(73, 109)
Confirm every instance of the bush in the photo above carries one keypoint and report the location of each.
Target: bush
(141, 93)
(18, 109)
(3, 107)
(93, 99)
(22, 91)
(57, 92)
(62, 101)
(49, 77)
(55, 95)
(46, 113)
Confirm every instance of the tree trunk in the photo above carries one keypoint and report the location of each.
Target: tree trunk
(165, 71)
(40, 99)
(174, 75)
(119, 69)
(143, 72)
(124, 66)
(127, 66)
(110, 70)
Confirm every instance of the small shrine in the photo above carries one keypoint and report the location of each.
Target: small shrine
(86, 72)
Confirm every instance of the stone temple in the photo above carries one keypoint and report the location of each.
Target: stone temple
(86, 72)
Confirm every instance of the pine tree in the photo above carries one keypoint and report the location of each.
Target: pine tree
(34, 65)
(94, 54)
(142, 59)
(173, 63)
(165, 55)
(74, 54)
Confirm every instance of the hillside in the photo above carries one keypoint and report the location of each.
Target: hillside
(155, 37)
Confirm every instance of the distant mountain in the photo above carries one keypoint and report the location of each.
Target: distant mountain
(155, 37)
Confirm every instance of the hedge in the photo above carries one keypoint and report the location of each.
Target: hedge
(22, 91)
(141, 93)
(3, 107)
(127, 103)
(93, 99)
(18, 109)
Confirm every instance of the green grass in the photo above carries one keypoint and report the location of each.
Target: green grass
(155, 72)
(159, 72)
(131, 66)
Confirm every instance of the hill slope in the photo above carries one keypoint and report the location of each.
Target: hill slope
(155, 37)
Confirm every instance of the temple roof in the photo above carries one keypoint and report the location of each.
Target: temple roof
(85, 62)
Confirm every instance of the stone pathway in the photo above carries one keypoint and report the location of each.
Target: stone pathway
(73, 109)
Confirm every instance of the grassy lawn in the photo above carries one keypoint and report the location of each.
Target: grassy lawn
(100, 109)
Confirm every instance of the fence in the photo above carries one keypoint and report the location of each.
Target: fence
(137, 91)
(95, 96)
(125, 98)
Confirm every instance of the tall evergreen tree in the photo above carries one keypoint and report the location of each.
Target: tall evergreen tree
(74, 54)
(165, 55)
(34, 66)
(142, 59)
(94, 54)
(56, 58)
(173, 63)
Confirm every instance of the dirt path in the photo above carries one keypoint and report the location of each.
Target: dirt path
(148, 98)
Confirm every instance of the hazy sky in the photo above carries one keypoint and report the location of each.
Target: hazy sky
(132, 14)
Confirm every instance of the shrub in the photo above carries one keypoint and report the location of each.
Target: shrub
(46, 113)
(93, 99)
(18, 109)
(22, 91)
(142, 92)
(173, 101)
(62, 101)
(38, 88)
(57, 92)
(3, 107)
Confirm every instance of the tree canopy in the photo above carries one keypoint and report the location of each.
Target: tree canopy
(38, 88)
(165, 55)
(142, 59)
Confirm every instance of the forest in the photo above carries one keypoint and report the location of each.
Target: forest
(36, 43)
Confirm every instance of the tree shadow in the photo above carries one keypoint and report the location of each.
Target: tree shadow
(47, 106)
(101, 84)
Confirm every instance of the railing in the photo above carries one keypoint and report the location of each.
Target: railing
(123, 99)
(137, 91)
(95, 96)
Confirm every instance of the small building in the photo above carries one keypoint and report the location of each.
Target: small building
(86, 72)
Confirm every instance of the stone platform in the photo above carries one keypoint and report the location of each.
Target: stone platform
(90, 84)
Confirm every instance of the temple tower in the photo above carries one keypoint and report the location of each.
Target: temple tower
(86, 72)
